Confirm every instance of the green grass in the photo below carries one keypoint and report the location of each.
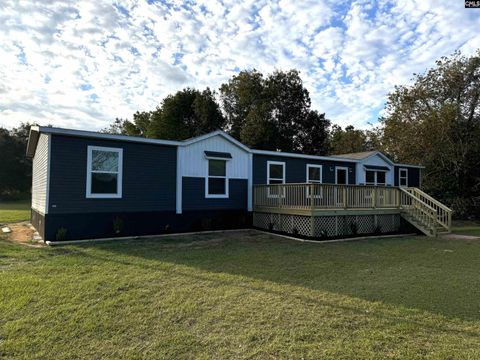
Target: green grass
(467, 228)
(241, 295)
(14, 211)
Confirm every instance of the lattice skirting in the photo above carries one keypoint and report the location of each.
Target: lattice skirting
(330, 226)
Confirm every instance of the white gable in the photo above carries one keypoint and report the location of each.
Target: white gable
(375, 160)
(193, 163)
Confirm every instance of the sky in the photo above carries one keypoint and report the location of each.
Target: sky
(81, 64)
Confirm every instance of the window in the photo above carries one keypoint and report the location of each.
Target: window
(381, 177)
(275, 172)
(375, 177)
(370, 177)
(403, 177)
(275, 175)
(104, 172)
(314, 176)
(217, 182)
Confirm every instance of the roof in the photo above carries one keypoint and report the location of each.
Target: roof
(352, 157)
(357, 155)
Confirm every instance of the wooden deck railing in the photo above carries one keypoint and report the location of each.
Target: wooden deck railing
(443, 213)
(325, 196)
(425, 210)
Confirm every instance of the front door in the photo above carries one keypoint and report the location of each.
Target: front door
(341, 178)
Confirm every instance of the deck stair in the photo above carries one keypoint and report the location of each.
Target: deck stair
(424, 212)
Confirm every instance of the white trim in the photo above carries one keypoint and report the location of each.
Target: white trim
(307, 179)
(410, 166)
(341, 168)
(400, 177)
(269, 178)
(49, 160)
(96, 135)
(301, 156)
(250, 183)
(179, 184)
(215, 133)
(375, 182)
(118, 195)
(275, 163)
(217, 196)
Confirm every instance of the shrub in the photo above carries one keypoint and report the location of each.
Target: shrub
(61, 234)
(118, 225)
(295, 231)
(354, 228)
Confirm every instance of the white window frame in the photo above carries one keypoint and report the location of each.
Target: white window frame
(118, 194)
(400, 177)
(307, 177)
(336, 174)
(376, 183)
(269, 178)
(208, 176)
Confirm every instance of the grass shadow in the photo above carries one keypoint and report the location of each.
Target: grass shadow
(437, 276)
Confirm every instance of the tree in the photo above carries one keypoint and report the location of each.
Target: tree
(436, 122)
(185, 114)
(314, 134)
(16, 168)
(347, 141)
(273, 112)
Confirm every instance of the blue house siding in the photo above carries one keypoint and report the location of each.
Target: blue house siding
(296, 169)
(194, 195)
(414, 174)
(149, 177)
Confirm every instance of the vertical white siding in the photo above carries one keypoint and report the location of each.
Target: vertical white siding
(192, 161)
(40, 170)
(377, 161)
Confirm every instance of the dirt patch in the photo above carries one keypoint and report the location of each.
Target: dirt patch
(22, 232)
(459, 237)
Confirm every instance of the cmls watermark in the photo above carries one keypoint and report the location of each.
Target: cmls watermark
(472, 3)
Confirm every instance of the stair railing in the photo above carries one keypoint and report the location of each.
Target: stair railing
(422, 213)
(444, 213)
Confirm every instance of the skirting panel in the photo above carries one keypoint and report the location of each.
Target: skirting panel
(327, 226)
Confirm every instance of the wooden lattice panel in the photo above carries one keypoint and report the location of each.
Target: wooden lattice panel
(365, 224)
(303, 224)
(388, 223)
(325, 223)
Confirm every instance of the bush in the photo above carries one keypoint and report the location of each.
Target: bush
(354, 228)
(118, 225)
(61, 234)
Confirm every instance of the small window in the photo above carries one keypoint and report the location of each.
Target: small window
(276, 172)
(217, 182)
(314, 176)
(104, 172)
(403, 177)
(275, 175)
(381, 177)
(370, 177)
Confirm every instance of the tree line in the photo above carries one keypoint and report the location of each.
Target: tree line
(435, 122)
(271, 112)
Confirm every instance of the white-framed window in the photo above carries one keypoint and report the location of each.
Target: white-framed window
(375, 177)
(216, 184)
(104, 172)
(403, 177)
(314, 176)
(275, 175)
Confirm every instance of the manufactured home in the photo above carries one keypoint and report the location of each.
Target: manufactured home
(90, 185)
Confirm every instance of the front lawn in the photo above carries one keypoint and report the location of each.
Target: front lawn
(14, 211)
(241, 295)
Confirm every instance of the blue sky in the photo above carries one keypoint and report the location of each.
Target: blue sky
(82, 64)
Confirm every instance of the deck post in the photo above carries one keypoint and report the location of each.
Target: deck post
(344, 197)
(374, 197)
(312, 205)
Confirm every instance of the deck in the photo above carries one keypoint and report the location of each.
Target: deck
(354, 203)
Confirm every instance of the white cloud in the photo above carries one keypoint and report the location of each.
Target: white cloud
(83, 64)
